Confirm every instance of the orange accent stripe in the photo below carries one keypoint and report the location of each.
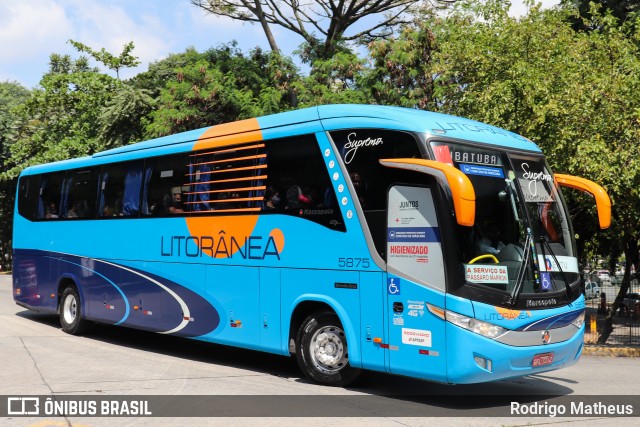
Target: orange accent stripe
(229, 133)
(249, 178)
(229, 210)
(229, 150)
(224, 190)
(260, 156)
(245, 168)
(244, 199)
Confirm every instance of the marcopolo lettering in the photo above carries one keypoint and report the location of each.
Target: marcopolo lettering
(249, 247)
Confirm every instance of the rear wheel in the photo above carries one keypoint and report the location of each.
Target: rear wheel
(70, 312)
(322, 353)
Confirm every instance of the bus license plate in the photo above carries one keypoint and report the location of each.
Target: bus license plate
(542, 359)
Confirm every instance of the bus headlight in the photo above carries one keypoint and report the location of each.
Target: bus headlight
(579, 321)
(485, 329)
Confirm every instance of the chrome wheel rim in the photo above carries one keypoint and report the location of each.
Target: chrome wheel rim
(329, 349)
(70, 309)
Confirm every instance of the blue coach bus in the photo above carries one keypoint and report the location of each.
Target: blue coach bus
(351, 236)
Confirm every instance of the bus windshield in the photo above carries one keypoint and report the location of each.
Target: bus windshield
(521, 243)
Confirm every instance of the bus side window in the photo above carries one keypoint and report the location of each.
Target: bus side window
(28, 194)
(297, 174)
(50, 195)
(120, 190)
(163, 175)
(79, 194)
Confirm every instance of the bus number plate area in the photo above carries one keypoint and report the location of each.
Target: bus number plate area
(542, 359)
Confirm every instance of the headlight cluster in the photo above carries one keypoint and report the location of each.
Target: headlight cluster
(485, 329)
(579, 321)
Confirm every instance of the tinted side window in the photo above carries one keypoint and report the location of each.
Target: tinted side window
(298, 183)
(361, 150)
(120, 187)
(50, 195)
(79, 194)
(164, 189)
(28, 194)
(229, 180)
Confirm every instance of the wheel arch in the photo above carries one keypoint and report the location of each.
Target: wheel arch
(69, 280)
(306, 305)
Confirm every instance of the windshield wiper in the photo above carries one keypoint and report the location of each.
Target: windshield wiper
(512, 194)
(517, 289)
(544, 243)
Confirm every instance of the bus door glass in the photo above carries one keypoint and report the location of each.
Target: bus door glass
(415, 278)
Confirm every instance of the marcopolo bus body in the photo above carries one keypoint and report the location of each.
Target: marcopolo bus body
(355, 237)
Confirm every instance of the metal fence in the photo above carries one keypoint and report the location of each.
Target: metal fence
(626, 320)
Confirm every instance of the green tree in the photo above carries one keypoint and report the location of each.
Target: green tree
(402, 68)
(337, 80)
(622, 10)
(575, 93)
(220, 85)
(62, 119)
(12, 95)
(323, 25)
(112, 62)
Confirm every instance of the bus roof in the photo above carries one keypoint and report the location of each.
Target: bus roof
(333, 117)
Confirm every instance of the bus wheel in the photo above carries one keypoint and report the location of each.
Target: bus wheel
(70, 318)
(322, 350)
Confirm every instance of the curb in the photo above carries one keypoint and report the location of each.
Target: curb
(597, 350)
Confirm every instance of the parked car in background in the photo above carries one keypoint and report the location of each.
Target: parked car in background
(629, 303)
(591, 290)
(604, 275)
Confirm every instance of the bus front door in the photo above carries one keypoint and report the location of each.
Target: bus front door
(415, 280)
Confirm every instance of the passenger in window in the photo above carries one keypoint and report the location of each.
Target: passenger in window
(359, 186)
(489, 242)
(173, 202)
(272, 196)
(107, 211)
(296, 198)
(52, 211)
(73, 211)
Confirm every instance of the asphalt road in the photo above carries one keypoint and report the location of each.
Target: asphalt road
(37, 358)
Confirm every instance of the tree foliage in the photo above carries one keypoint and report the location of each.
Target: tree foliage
(221, 85)
(61, 120)
(12, 95)
(112, 62)
(575, 93)
(323, 25)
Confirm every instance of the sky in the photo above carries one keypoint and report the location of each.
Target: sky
(31, 30)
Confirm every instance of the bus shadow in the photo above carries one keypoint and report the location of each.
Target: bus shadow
(410, 391)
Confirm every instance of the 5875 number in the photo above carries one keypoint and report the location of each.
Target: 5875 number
(353, 262)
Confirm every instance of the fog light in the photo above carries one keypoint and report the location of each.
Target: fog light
(483, 363)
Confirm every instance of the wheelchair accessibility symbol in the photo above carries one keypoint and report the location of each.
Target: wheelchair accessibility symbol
(546, 281)
(393, 286)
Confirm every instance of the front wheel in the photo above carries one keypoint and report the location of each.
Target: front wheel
(322, 353)
(70, 312)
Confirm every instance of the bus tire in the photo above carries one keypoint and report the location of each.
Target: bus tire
(322, 352)
(71, 312)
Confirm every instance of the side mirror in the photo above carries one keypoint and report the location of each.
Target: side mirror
(462, 192)
(603, 202)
